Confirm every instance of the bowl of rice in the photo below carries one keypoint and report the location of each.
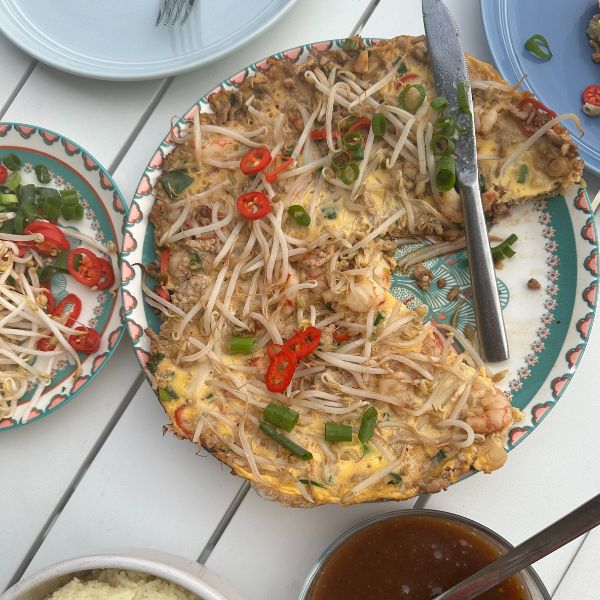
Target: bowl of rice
(136, 575)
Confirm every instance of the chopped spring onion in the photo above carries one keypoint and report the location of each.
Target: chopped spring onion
(340, 160)
(482, 183)
(523, 173)
(166, 394)
(441, 145)
(8, 199)
(12, 162)
(439, 457)
(349, 173)
(368, 423)
(380, 317)
(402, 68)
(42, 174)
(446, 126)
(538, 46)
(462, 98)
(396, 479)
(312, 482)
(439, 104)
(504, 249)
(349, 44)
(299, 215)
(175, 182)
(242, 345)
(411, 97)
(445, 173)
(13, 181)
(285, 441)
(353, 140)
(280, 416)
(338, 432)
(378, 124)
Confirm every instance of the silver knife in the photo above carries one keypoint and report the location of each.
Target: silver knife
(450, 74)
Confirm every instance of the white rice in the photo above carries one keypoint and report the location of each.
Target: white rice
(112, 584)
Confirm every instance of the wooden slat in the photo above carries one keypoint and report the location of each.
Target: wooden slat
(268, 550)
(40, 460)
(143, 490)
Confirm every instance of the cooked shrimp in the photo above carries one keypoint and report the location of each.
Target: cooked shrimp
(493, 414)
(450, 206)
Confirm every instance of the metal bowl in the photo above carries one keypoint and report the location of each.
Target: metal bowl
(189, 575)
(529, 578)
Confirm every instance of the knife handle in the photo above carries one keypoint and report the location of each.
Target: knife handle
(488, 313)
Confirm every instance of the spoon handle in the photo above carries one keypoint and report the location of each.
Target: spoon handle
(571, 526)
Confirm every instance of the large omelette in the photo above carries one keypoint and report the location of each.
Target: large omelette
(277, 218)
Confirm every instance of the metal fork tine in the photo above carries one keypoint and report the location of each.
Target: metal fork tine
(169, 11)
(160, 12)
(180, 5)
(186, 14)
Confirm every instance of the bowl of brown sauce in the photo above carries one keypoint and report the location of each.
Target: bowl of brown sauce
(416, 555)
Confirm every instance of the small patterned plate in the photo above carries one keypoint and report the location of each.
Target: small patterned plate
(72, 167)
(547, 328)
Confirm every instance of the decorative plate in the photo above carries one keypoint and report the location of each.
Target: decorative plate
(547, 328)
(510, 23)
(119, 40)
(71, 166)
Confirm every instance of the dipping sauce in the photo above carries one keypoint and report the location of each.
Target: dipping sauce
(412, 557)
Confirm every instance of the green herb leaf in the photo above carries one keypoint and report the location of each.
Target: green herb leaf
(175, 182)
(154, 361)
(166, 394)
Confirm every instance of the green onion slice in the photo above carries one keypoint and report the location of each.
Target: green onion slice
(367, 425)
(380, 317)
(340, 160)
(338, 432)
(441, 145)
(42, 173)
(280, 416)
(349, 173)
(538, 46)
(299, 215)
(523, 173)
(175, 182)
(378, 125)
(504, 249)
(402, 68)
(446, 126)
(349, 44)
(12, 162)
(462, 98)
(411, 97)
(242, 345)
(13, 181)
(445, 173)
(312, 482)
(439, 104)
(285, 441)
(353, 140)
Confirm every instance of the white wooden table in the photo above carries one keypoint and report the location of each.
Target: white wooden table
(99, 474)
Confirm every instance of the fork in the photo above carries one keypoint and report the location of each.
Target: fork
(179, 10)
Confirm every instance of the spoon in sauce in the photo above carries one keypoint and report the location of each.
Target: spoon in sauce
(571, 526)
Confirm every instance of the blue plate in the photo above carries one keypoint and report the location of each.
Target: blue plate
(560, 81)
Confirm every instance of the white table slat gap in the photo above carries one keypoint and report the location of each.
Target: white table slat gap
(16, 67)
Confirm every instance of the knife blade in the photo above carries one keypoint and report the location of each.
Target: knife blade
(452, 81)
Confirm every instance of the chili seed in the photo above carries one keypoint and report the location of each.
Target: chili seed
(453, 293)
(534, 284)
(441, 283)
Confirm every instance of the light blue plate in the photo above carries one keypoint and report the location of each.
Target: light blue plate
(558, 82)
(105, 39)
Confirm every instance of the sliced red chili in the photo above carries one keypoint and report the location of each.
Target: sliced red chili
(279, 164)
(54, 238)
(165, 257)
(321, 134)
(87, 341)
(362, 123)
(281, 368)
(591, 95)
(304, 342)
(182, 419)
(86, 269)
(107, 275)
(69, 306)
(3, 174)
(405, 78)
(47, 344)
(255, 161)
(50, 301)
(536, 122)
(253, 205)
(163, 293)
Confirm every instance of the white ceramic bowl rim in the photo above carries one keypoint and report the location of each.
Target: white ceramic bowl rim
(189, 575)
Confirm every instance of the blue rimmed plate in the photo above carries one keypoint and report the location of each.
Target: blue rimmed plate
(548, 328)
(71, 166)
(560, 81)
